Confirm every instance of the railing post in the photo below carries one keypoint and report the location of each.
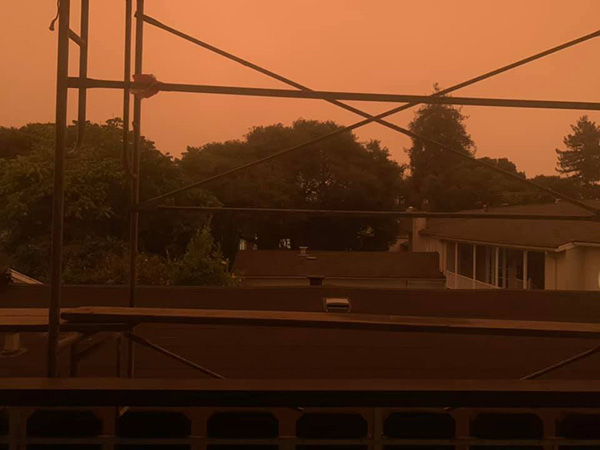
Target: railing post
(287, 427)
(14, 429)
(462, 420)
(377, 429)
(109, 421)
(199, 418)
(549, 419)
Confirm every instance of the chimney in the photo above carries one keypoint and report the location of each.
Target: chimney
(416, 242)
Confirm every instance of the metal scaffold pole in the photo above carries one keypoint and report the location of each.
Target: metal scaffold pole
(135, 181)
(83, 71)
(59, 194)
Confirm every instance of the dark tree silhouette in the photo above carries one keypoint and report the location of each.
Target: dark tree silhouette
(581, 159)
(96, 209)
(340, 173)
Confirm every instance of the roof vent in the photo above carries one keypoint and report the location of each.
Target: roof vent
(315, 280)
(336, 305)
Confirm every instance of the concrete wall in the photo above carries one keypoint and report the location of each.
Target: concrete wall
(591, 269)
(577, 268)
(551, 270)
(386, 283)
(272, 352)
(418, 242)
(565, 270)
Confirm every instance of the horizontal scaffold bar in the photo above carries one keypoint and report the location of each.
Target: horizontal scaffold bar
(90, 83)
(375, 214)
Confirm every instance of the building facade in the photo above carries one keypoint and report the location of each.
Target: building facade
(514, 253)
(395, 270)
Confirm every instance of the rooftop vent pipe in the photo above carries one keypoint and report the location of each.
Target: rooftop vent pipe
(336, 305)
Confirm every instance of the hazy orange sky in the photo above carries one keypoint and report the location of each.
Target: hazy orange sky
(391, 46)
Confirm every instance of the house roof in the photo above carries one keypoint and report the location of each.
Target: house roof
(289, 263)
(19, 278)
(550, 234)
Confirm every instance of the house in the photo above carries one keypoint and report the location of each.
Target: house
(401, 270)
(515, 254)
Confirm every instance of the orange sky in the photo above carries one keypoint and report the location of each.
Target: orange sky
(391, 46)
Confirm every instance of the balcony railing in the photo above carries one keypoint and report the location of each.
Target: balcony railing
(270, 413)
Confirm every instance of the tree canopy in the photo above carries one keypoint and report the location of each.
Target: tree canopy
(340, 173)
(437, 176)
(96, 206)
(450, 183)
(581, 159)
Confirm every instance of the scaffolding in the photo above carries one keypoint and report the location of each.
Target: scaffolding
(144, 85)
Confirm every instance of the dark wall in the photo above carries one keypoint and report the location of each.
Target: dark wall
(268, 352)
(578, 306)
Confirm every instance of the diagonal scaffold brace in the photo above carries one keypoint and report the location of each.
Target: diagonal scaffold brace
(370, 118)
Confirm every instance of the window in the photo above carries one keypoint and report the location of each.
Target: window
(536, 270)
(491, 265)
(465, 260)
(515, 273)
(484, 256)
(450, 253)
(502, 268)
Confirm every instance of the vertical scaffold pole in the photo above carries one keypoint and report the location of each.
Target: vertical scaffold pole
(58, 199)
(127, 81)
(83, 71)
(135, 183)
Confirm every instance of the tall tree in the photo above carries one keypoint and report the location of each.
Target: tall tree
(340, 173)
(436, 175)
(581, 159)
(450, 183)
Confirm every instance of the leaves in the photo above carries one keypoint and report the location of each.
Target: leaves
(581, 159)
(340, 173)
(96, 205)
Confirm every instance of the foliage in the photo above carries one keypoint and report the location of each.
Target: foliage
(5, 276)
(436, 175)
(450, 183)
(96, 205)
(581, 159)
(338, 173)
(203, 263)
